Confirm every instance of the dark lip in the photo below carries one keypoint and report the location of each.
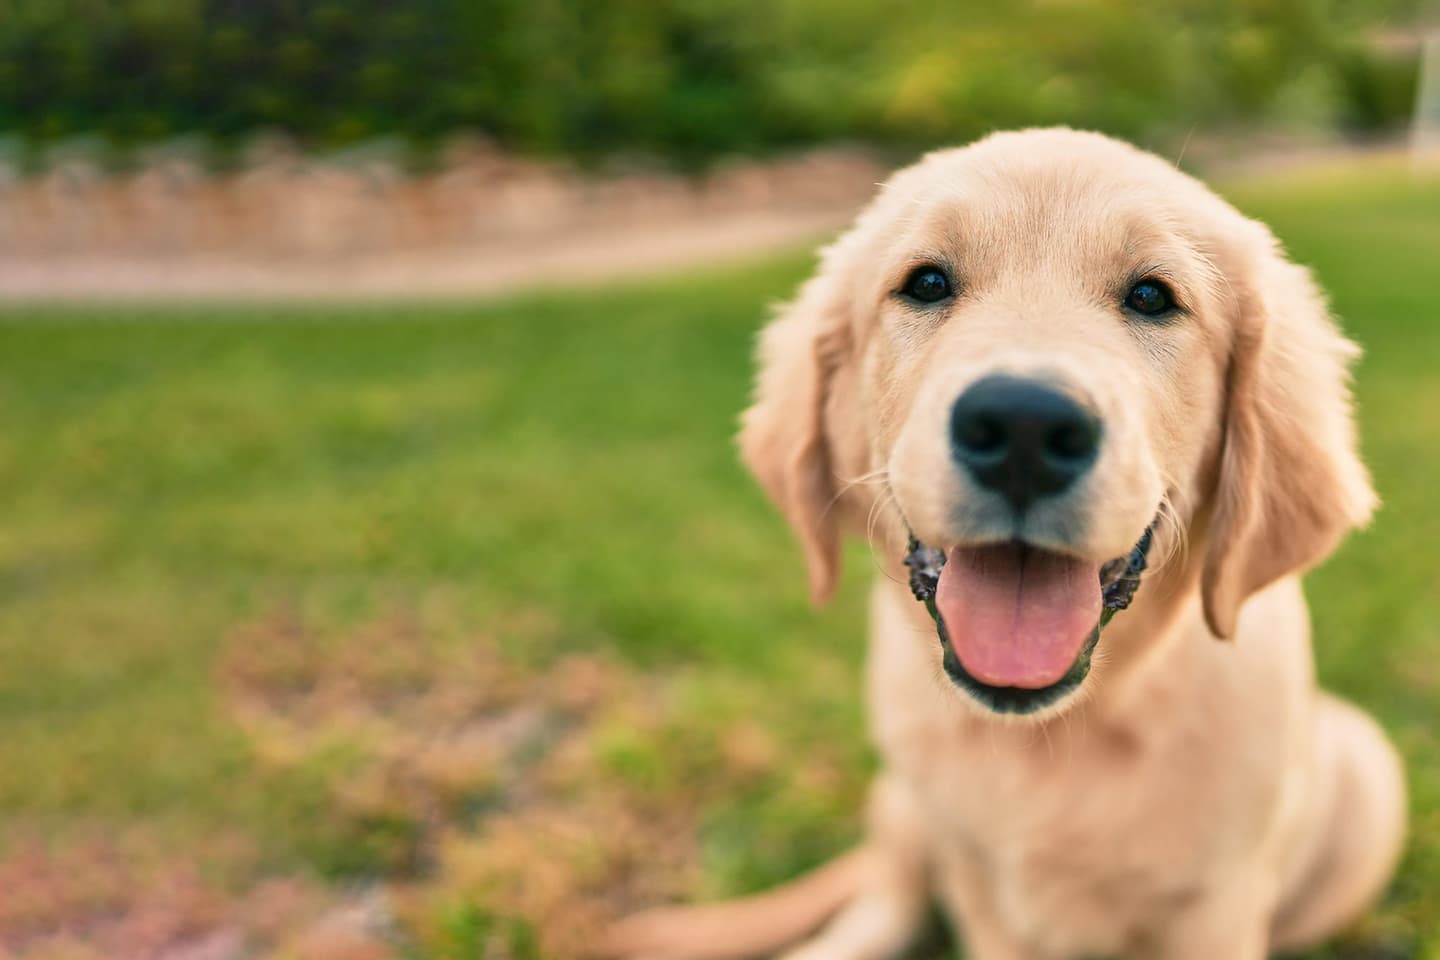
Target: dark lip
(1017, 700)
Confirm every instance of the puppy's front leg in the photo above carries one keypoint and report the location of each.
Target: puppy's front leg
(890, 905)
(964, 894)
(1233, 922)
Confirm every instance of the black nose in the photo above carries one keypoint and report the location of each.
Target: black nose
(1021, 438)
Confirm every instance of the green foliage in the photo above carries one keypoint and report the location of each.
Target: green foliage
(682, 79)
(1376, 92)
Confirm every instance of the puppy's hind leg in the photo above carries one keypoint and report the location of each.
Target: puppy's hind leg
(878, 890)
(1363, 785)
(750, 927)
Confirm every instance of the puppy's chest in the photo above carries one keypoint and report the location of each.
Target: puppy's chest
(1064, 832)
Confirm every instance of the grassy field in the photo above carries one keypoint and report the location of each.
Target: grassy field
(441, 631)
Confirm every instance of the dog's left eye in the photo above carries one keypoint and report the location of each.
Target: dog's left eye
(926, 284)
(1151, 298)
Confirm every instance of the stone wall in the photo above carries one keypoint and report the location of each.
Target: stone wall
(283, 205)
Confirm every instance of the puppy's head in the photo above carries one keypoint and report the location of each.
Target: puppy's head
(1026, 353)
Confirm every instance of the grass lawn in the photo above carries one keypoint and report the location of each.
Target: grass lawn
(465, 620)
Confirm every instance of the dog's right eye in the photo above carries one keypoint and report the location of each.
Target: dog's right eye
(926, 284)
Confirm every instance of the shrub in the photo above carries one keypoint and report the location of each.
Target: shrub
(685, 80)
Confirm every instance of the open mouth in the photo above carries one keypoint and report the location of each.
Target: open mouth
(1018, 623)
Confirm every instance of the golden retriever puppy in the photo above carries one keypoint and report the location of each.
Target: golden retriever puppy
(1041, 363)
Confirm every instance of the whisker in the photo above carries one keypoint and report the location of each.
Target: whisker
(880, 475)
(884, 500)
(1185, 146)
(1049, 744)
(1172, 530)
(845, 486)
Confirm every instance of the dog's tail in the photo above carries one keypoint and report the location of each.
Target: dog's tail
(736, 929)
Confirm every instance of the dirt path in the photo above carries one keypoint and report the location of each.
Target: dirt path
(585, 256)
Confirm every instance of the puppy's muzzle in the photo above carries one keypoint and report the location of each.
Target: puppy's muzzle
(1022, 438)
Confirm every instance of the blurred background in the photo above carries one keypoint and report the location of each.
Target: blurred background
(377, 579)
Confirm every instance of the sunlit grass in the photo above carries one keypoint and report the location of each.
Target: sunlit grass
(547, 476)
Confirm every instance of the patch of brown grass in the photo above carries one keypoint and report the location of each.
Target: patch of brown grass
(117, 899)
(505, 810)
(424, 729)
(501, 767)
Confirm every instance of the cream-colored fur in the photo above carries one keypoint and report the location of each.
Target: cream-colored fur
(1198, 796)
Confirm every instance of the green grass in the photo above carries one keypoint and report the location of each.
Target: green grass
(553, 472)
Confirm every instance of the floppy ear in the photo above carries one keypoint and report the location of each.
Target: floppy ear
(1290, 482)
(783, 433)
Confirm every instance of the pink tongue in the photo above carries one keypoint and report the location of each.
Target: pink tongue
(1017, 616)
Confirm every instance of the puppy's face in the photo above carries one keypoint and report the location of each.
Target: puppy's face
(1036, 349)
(1042, 375)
